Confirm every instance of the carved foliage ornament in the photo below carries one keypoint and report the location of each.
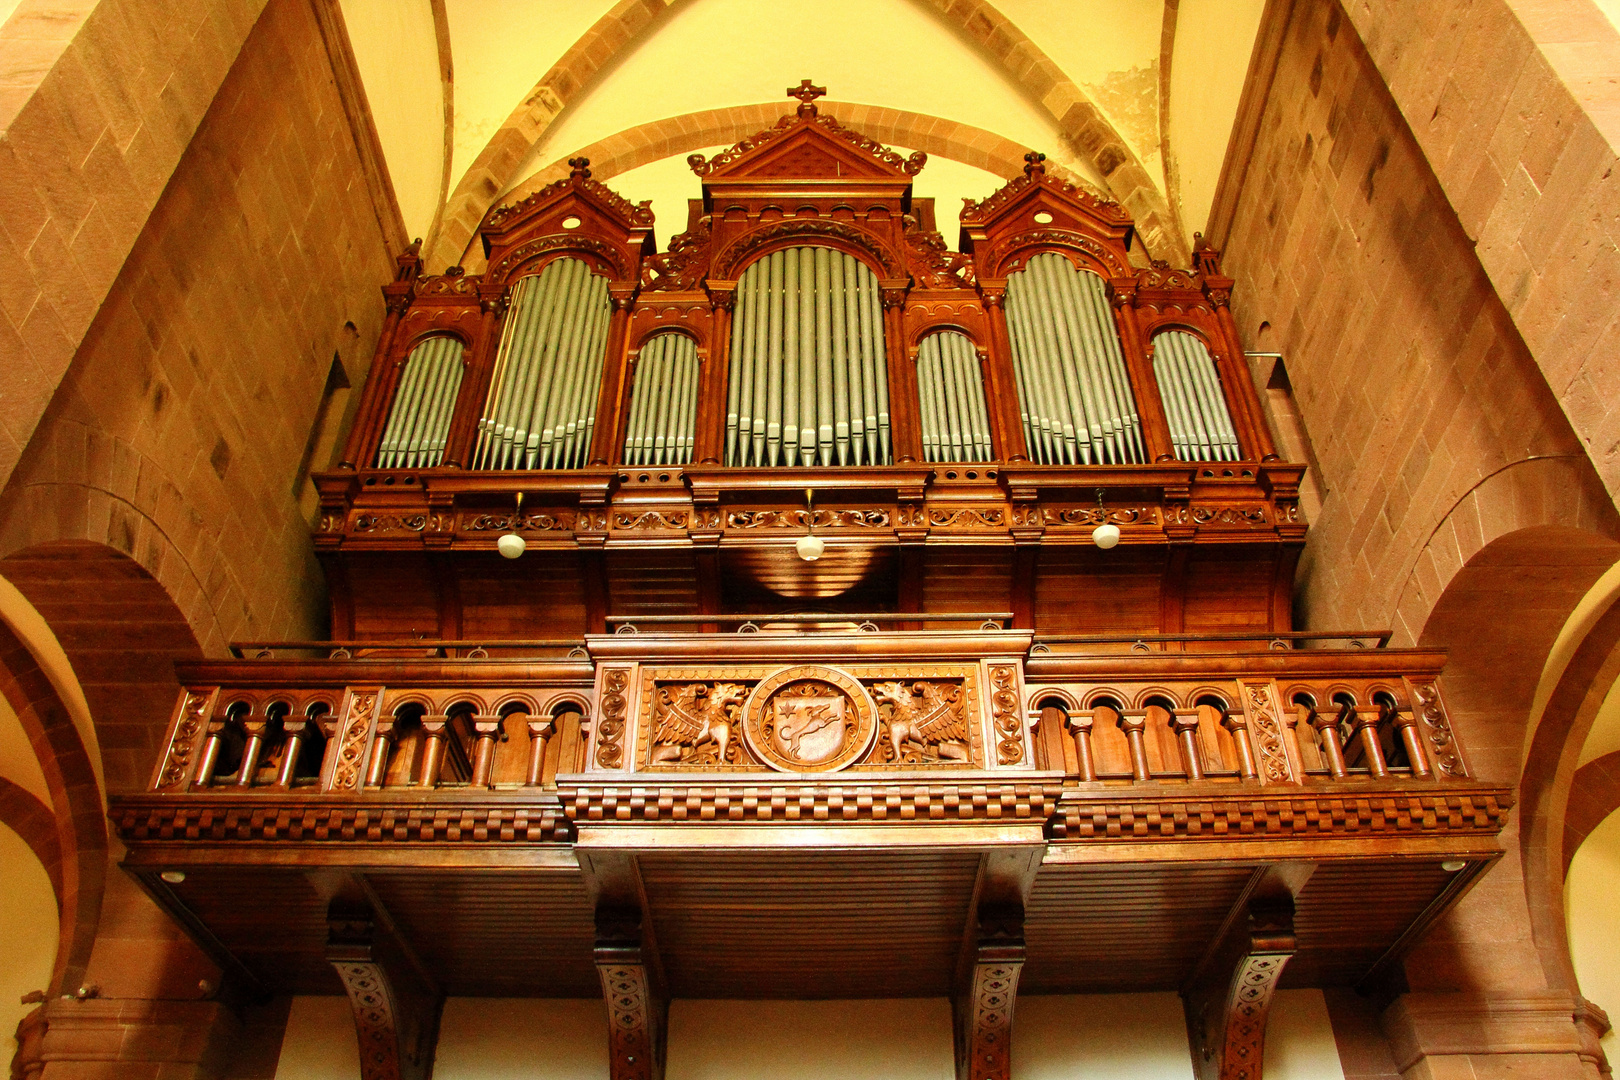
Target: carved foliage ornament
(1004, 710)
(610, 732)
(1267, 734)
(524, 252)
(352, 747)
(798, 519)
(681, 269)
(1438, 730)
(193, 715)
(911, 166)
(1049, 238)
(730, 260)
(809, 719)
(552, 521)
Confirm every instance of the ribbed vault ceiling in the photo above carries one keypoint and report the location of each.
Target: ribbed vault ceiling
(477, 102)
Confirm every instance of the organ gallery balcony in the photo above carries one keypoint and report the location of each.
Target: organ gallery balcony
(1129, 795)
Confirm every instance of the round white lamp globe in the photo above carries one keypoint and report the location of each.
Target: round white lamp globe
(810, 546)
(1105, 535)
(512, 545)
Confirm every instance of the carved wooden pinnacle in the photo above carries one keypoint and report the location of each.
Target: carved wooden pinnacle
(807, 94)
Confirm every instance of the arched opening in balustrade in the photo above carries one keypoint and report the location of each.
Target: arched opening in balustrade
(1194, 401)
(661, 423)
(232, 745)
(1054, 748)
(547, 378)
(808, 381)
(1074, 396)
(402, 754)
(953, 417)
(1110, 748)
(424, 402)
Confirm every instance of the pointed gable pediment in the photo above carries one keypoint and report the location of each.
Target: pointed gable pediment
(807, 147)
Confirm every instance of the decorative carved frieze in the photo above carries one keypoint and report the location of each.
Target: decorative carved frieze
(819, 800)
(1279, 814)
(341, 822)
(615, 705)
(799, 519)
(1004, 684)
(810, 718)
(533, 521)
(1264, 725)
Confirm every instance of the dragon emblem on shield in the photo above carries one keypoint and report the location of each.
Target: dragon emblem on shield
(809, 719)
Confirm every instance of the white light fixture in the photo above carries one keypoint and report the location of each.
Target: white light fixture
(810, 546)
(511, 545)
(173, 877)
(1451, 866)
(1105, 535)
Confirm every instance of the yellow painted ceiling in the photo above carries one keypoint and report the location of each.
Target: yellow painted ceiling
(711, 54)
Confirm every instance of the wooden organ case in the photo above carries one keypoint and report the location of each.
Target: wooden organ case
(958, 747)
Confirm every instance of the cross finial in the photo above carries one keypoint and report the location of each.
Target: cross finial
(807, 94)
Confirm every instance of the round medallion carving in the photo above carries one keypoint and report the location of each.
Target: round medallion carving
(809, 719)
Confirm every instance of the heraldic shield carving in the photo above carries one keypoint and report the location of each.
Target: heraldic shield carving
(809, 719)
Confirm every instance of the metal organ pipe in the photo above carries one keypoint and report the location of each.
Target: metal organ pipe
(1200, 423)
(1074, 397)
(419, 421)
(808, 365)
(663, 402)
(541, 410)
(950, 389)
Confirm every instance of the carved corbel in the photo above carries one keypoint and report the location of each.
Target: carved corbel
(396, 1005)
(636, 1008)
(1227, 1009)
(984, 1005)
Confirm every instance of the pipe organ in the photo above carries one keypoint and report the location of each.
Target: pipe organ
(420, 418)
(663, 404)
(542, 407)
(1074, 396)
(950, 391)
(1200, 423)
(808, 381)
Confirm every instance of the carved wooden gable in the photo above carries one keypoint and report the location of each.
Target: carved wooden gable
(1036, 210)
(807, 151)
(574, 212)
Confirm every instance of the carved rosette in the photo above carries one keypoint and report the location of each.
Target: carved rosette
(193, 717)
(351, 755)
(615, 705)
(809, 719)
(1275, 767)
(1004, 714)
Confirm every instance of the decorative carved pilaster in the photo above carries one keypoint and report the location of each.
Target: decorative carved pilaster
(984, 1007)
(636, 1011)
(1227, 1010)
(396, 1010)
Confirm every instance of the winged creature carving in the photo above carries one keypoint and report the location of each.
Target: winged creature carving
(694, 717)
(927, 716)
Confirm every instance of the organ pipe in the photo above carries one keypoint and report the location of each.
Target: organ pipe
(1200, 423)
(541, 410)
(1074, 397)
(419, 422)
(663, 403)
(950, 391)
(808, 376)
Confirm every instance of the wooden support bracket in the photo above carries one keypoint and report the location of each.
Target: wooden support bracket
(984, 1005)
(636, 1008)
(1227, 1007)
(396, 1005)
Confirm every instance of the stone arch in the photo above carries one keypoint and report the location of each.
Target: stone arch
(122, 633)
(78, 825)
(35, 822)
(1556, 491)
(1593, 796)
(1523, 584)
(1078, 119)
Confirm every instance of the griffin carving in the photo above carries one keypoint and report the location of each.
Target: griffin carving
(693, 719)
(926, 720)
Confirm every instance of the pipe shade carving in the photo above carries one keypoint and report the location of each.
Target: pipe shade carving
(950, 391)
(1200, 423)
(420, 419)
(541, 411)
(1075, 399)
(663, 403)
(809, 381)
